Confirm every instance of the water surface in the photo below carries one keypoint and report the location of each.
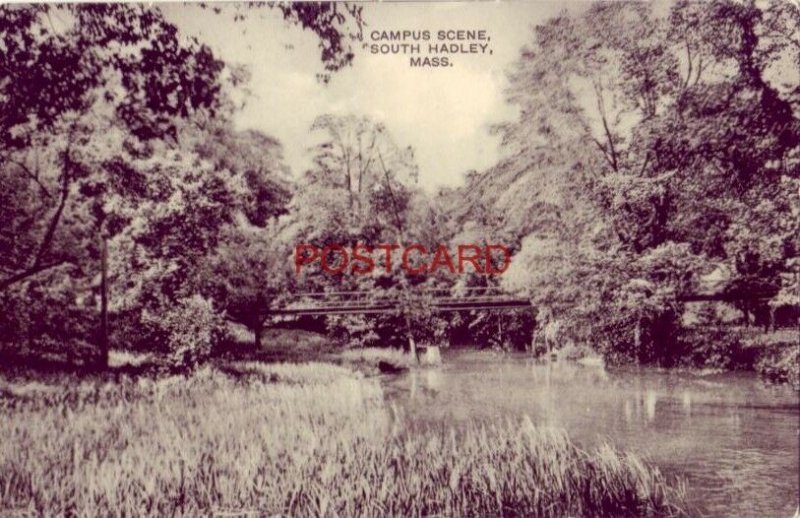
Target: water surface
(733, 438)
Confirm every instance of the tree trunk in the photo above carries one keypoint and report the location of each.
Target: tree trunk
(104, 342)
(500, 332)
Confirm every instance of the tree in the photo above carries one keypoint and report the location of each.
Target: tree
(337, 25)
(248, 273)
(655, 142)
(354, 155)
(360, 190)
(92, 98)
(55, 82)
(113, 66)
(256, 164)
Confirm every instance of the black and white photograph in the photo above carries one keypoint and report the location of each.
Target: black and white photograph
(400, 259)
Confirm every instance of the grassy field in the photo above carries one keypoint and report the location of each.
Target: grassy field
(309, 440)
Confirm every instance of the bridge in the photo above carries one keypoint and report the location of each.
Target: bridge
(368, 302)
(443, 300)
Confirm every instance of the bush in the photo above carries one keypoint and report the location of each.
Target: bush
(781, 364)
(132, 332)
(625, 337)
(356, 330)
(713, 347)
(45, 321)
(188, 331)
(574, 352)
(711, 342)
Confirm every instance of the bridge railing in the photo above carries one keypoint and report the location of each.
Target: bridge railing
(365, 302)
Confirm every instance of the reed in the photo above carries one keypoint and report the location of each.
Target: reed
(329, 445)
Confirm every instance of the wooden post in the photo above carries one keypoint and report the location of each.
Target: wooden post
(104, 342)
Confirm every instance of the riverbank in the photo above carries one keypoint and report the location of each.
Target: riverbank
(778, 357)
(304, 439)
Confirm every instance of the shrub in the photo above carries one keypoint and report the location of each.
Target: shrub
(40, 320)
(573, 352)
(356, 330)
(711, 342)
(187, 331)
(781, 364)
(132, 332)
(713, 347)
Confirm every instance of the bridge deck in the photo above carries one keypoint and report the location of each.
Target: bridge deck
(395, 306)
(437, 299)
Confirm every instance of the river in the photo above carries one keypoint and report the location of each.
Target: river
(731, 437)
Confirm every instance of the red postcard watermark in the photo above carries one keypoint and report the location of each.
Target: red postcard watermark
(414, 259)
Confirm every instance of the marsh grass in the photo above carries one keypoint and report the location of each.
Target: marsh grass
(313, 373)
(295, 440)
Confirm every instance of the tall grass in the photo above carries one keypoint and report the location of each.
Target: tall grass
(328, 446)
(313, 373)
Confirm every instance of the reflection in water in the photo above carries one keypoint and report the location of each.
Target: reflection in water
(650, 404)
(640, 406)
(686, 401)
(731, 437)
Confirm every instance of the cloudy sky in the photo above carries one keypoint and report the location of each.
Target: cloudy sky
(444, 113)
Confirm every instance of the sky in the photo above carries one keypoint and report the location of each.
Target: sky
(444, 113)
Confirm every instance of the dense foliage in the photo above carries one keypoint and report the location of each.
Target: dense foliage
(654, 158)
(654, 151)
(126, 182)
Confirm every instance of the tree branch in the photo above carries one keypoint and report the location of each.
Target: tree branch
(32, 176)
(604, 150)
(689, 70)
(47, 240)
(33, 270)
(601, 108)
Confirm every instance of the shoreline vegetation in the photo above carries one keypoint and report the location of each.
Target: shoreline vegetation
(773, 356)
(296, 439)
(277, 430)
